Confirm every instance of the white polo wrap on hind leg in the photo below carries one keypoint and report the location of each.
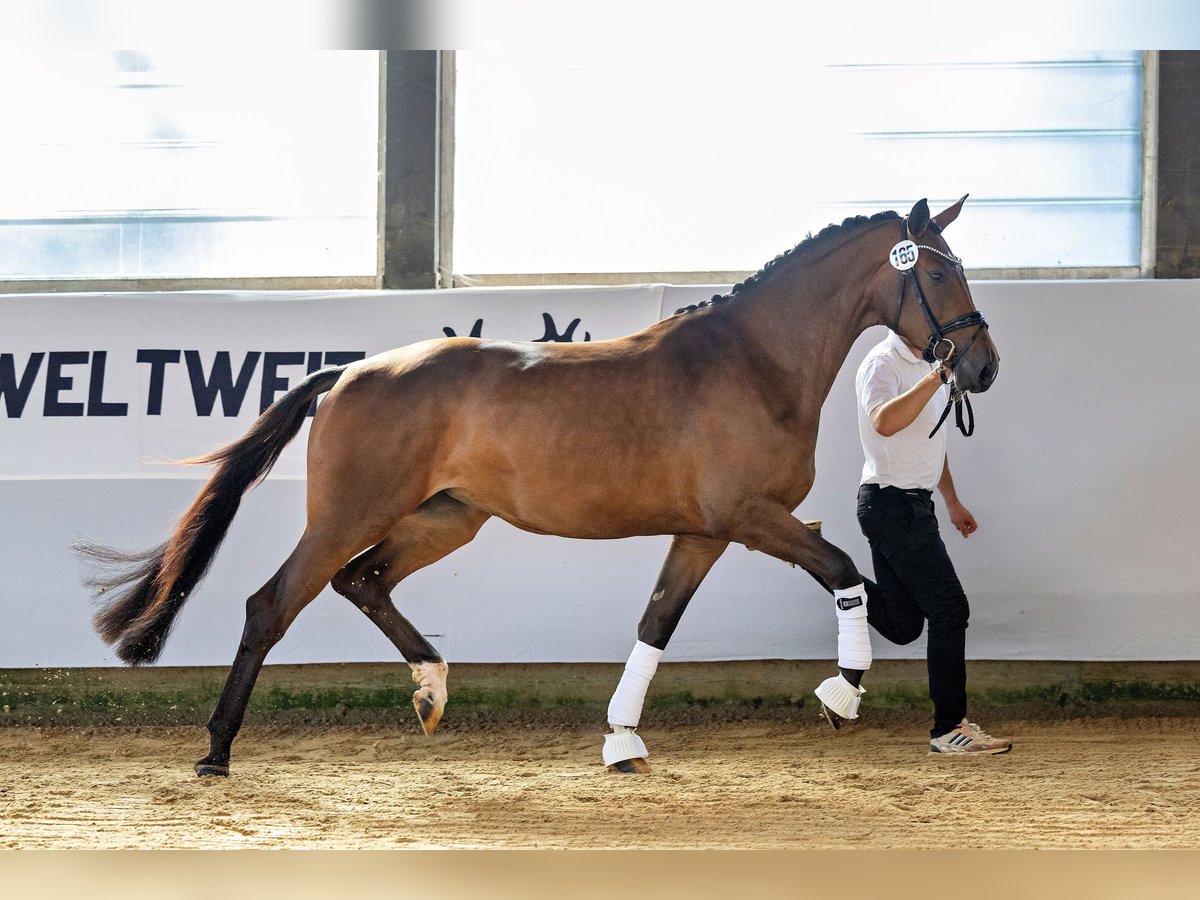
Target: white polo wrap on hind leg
(854, 652)
(625, 708)
(854, 641)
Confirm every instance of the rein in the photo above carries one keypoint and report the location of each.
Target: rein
(937, 334)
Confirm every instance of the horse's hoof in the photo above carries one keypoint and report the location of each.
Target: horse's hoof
(427, 711)
(630, 767)
(430, 699)
(625, 752)
(833, 719)
(211, 770)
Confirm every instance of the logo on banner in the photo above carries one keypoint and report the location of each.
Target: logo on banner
(549, 335)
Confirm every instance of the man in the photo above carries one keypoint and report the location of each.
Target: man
(899, 399)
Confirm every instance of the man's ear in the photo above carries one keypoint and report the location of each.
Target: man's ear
(918, 219)
(948, 215)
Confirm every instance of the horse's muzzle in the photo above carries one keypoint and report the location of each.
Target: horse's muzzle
(974, 375)
(979, 368)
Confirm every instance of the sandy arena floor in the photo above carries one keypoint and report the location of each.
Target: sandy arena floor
(773, 785)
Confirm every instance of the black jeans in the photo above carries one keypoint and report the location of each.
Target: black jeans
(915, 583)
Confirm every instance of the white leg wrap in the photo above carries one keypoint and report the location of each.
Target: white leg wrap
(854, 641)
(621, 744)
(840, 696)
(625, 708)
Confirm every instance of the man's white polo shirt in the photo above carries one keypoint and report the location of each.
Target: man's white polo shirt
(910, 458)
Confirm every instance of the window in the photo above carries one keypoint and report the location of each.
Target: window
(188, 164)
(714, 162)
(681, 165)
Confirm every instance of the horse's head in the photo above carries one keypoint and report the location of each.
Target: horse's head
(934, 310)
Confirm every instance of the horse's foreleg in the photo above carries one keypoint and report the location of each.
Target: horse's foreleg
(269, 612)
(438, 527)
(688, 561)
(772, 529)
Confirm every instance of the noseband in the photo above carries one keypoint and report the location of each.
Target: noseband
(948, 359)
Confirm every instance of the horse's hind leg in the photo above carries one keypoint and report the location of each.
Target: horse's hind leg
(688, 561)
(438, 527)
(269, 612)
(769, 527)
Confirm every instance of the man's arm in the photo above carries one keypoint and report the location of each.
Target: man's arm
(895, 415)
(960, 516)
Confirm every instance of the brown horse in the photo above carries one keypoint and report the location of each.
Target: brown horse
(702, 426)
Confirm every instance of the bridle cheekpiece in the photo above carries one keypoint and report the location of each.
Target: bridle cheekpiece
(939, 348)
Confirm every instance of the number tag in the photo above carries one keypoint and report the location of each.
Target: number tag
(903, 256)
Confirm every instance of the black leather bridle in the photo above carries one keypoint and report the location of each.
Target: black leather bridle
(950, 359)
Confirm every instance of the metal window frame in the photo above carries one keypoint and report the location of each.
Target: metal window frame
(1150, 92)
(416, 200)
(416, 208)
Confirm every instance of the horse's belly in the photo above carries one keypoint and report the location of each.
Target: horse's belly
(574, 511)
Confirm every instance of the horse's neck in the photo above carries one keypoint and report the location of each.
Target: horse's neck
(806, 319)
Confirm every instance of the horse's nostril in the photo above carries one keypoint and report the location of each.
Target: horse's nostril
(987, 374)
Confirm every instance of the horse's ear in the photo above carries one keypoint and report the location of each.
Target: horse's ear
(918, 219)
(946, 216)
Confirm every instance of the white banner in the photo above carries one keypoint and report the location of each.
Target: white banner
(1079, 474)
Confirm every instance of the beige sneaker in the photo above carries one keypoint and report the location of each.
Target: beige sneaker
(968, 739)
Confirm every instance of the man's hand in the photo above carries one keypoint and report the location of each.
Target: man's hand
(961, 518)
(893, 416)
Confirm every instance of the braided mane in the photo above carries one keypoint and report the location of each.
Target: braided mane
(810, 243)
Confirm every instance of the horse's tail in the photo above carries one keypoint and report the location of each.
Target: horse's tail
(149, 588)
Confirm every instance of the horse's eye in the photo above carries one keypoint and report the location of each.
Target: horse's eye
(937, 276)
